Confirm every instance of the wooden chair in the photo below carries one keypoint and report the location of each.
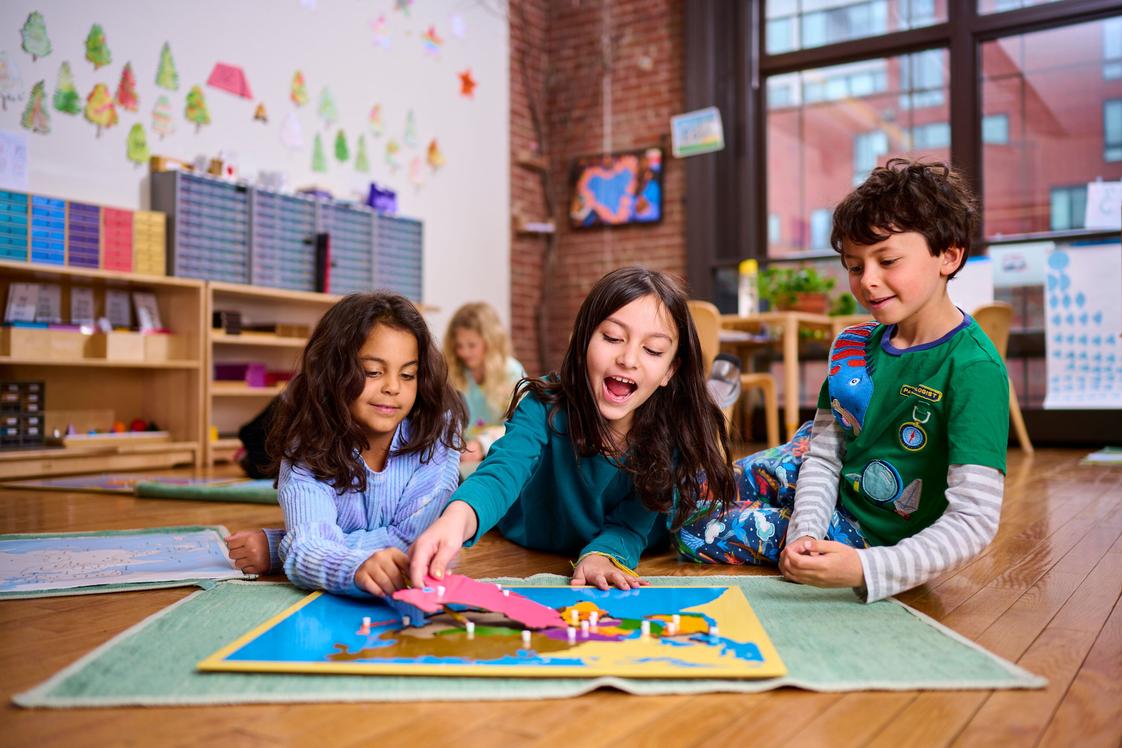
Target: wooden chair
(707, 320)
(995, 320)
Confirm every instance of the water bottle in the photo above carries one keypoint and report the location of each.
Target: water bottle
(747, 297)
(724, 380)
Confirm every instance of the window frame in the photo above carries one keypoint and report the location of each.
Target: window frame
(727, 65)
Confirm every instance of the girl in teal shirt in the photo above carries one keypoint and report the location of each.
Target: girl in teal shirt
(593, 455)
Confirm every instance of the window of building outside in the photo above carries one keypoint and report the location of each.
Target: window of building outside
(803, 24)
(995, 129)
(1000, 6)
(821, 221)
(828, 127)
(1112, 49)
(1112, 130)
(1063, 129)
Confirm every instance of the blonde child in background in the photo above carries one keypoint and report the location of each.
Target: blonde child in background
(480, 367)
(367, 440)
(600, 459)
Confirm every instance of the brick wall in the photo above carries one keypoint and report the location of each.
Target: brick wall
(612, 74)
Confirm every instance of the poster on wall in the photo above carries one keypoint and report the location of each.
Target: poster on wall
(697, 132)
(1083, 322)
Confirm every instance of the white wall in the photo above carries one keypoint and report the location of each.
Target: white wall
(465, 205)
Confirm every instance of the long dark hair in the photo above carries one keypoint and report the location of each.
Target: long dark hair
(677, 434)
(313, 425)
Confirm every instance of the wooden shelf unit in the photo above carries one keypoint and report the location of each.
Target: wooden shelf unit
(169, 393)
(231, 404)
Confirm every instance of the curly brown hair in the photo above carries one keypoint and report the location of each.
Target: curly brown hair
(313, 425)
(932, 199)
(679, 435)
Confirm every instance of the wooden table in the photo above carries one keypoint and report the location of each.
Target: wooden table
(788, 324)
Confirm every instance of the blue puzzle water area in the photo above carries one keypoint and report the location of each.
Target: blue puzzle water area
(326, 633)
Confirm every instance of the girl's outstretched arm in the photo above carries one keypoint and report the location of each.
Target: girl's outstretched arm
(314, 550)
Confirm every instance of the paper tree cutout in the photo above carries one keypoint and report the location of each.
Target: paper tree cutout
(299, 91)
(381, 32)
(319, 159)
(66, 95)
(342, 153)
(467, 84)
(416, 172)
(162, 123)
(37, 117)
(376, 124)
(259, 114)
(327, 111)
(456, 589)
(126, 89)
(97, 51)
(362, 163)
(137, 145)
(100, 109)
(229, 78)
(291, 133)
(410, 136)
(166, 74)
(34, 33)
(11, 82)
(431, 41)
(196, 108)
(435, 157)
(392, 149)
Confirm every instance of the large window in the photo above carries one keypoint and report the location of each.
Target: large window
(802, 24)
(1064, 127)
(827, 128)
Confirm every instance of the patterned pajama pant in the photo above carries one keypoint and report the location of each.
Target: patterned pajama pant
(754, 528)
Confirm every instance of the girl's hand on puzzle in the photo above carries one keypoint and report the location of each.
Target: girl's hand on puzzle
(436, 548)
(249, 550)
(822, 563)
(599, 571)
(383, 573)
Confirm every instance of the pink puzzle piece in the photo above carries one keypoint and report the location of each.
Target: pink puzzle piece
(466, 591)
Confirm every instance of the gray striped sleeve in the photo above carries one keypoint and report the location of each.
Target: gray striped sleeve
(816, 494)
(967, 526)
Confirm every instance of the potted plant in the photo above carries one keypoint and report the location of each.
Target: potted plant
(789, 288)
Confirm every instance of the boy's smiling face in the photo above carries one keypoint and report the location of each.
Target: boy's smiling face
(898, 280)
(631, 354)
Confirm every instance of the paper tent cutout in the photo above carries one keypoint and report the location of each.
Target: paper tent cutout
(230, 78)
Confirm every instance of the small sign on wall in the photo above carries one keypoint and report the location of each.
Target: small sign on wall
(697, 132)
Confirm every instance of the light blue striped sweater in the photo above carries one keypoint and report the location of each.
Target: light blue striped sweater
(328, 535)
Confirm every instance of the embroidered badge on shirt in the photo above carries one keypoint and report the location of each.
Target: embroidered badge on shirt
(922, 391)
(912, 436)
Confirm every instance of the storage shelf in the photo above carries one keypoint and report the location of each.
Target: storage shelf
(111, 277)
(100, 362)
(239, 389)
(256, 339)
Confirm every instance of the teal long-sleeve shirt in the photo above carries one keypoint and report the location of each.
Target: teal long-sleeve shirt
(541, 496)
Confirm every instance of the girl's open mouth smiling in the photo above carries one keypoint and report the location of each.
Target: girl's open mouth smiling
(618, 389)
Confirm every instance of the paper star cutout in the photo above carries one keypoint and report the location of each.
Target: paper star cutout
(467, 84)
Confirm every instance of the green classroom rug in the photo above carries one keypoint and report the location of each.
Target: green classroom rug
(828, 640)
(75, 563)
(248, 491)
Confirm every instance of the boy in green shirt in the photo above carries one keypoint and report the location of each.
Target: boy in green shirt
(902, 472)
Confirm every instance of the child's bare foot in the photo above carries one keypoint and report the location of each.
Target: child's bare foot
(249, 550)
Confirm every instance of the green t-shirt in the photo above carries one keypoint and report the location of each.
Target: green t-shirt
(906, 416)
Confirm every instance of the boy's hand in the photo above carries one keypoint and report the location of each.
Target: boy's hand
(821, 563)
(249, 550)
(383, 573)
(436, 548)
(599, 571)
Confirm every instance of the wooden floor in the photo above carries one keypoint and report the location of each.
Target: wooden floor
(1046, 594)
